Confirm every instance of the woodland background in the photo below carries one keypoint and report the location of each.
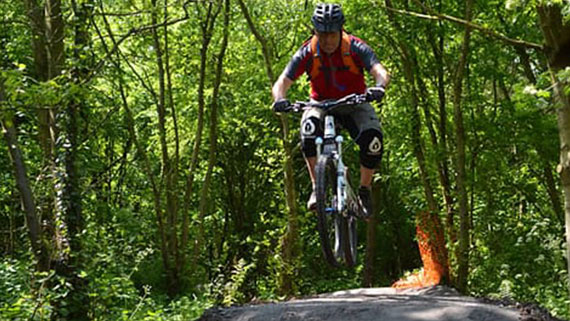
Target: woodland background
(145, 177)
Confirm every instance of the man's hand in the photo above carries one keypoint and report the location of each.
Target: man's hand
(281, 105)
(376, 93)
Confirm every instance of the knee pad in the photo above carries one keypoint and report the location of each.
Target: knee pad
(371, 144)
(311, 128)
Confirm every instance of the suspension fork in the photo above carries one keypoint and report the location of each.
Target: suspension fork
(340, 177)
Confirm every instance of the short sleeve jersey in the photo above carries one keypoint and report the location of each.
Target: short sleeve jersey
(334, 80)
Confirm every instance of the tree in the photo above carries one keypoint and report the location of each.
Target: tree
(557, 37)
(289, 245)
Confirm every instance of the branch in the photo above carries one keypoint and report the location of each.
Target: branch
(442, 17)
(132, 32)
(13, 21)
(264, 47)
(122, 14)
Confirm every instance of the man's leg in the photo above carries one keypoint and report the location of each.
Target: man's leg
(311, 128)
(311, 161)
(366, 176)
(370, 141)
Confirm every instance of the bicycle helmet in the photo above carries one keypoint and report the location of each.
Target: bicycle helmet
(328, 17)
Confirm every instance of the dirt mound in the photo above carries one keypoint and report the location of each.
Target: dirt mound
(387, 304)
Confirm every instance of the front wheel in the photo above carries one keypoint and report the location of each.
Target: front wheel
(329, 222)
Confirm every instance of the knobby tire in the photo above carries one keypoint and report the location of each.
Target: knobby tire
(350, 240)
(329, 225)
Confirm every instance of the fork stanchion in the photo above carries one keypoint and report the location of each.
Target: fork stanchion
(319, 143)
(341, 184)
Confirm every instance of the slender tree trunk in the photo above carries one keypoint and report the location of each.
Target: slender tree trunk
(433, 224)
(463, 255)
(564, 166)
(368, 278)
(549, 182)
(22, 182)
(557, 36)
(553, 193)
(175, 160)
(171, 96)
(207, 26)
(167, 169)
(37, 20)
(289, 241)
(417, 140)
(205, 196)
(141, 150)
(54, 40)
(37, 17)
(69, 122)
(54, 36)
(442, 150)
(74, 217)
(408, 60)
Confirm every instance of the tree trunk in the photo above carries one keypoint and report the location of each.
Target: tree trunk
(55, 161)
(557, 36)
(564, 166)
(553, 193)
(37, 20)
(68, 141)
(289, 241)
(205, 197)
(410, 66)
(28, 203)
(463, 255)
(368, 278)
(549, 182)
(176, 161)
(38, 17)
(168, 172)
(130, 123)
(207, 25)
(172, 195)
(442, 150)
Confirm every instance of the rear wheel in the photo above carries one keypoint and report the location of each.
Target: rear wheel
(349, 227)
(350, 240)
(329, 222)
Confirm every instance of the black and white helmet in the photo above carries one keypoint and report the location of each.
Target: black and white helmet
(328, 17)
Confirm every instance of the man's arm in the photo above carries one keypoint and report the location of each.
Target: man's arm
(281, 86)
(380, 74)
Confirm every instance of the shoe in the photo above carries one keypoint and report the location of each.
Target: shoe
(365, 202)
(312, 203)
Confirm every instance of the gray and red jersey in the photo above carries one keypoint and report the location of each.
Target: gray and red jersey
(334, 80)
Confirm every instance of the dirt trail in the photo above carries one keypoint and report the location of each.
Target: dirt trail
(386, 304)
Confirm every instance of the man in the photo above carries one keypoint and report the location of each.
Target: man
(334, 62)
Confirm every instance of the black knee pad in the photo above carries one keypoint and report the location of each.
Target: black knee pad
(371, 144)
(311, 128)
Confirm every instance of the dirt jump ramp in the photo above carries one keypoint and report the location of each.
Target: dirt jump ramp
(386, 304)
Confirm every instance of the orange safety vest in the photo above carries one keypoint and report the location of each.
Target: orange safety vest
(345, 53)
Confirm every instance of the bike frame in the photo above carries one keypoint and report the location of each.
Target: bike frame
(335, 151)
(331, 144)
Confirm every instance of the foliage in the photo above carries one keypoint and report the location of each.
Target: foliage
(517, 230)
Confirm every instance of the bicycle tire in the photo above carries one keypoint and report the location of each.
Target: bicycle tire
(350, 239)
(329, 222)
(349, 226)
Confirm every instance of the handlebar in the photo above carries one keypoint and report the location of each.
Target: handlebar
(352, 99)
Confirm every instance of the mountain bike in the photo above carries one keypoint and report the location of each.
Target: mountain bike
(338, 206)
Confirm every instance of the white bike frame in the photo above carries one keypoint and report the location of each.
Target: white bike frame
(341, 183)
